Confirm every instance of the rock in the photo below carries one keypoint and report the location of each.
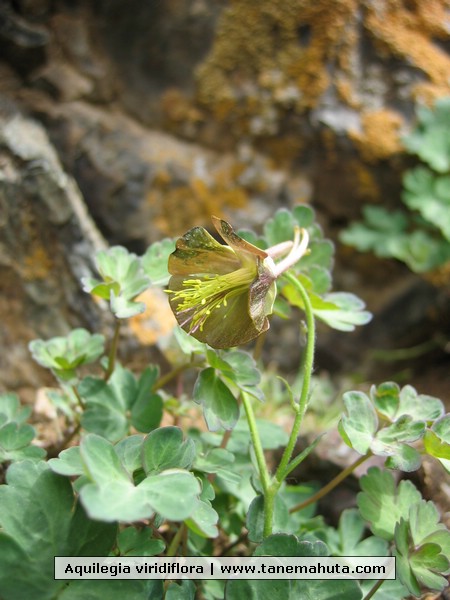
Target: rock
(47, 241)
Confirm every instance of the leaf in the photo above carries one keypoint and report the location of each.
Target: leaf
(422, 548)
(203, 520)
(63, 355)
(288, 545)
(240, 368)
(405, 458)
(430, 140)
(359, 425)
(164, 448)
(105, 589)
(38, 521)
(129, 452)
(255, 518)
(351, 540)
(147, 406)
(113, 406)
(139, 542)
(123, 279)
(154, 262)
(339, 310)
(402, 430)
(220, 407)
(112, 496)
(68, 462)
(429, 194)
(15, 443)
(184, 591)
(383, 504)
(11, 411)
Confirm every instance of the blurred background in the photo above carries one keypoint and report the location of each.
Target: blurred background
(127, 122)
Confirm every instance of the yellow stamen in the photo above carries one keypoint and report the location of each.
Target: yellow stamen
(199, 297)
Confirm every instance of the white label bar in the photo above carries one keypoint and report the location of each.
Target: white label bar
(211, 567)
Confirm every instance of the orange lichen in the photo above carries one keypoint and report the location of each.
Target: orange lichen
(156, 321)
(37, 264)
(272, 60)
(178, 206)
(409, 34)
(380, 136)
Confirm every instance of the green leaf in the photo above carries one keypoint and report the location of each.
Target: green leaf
(405, 458)
(112, 496)
(15, 440)
(129, 452)
(359, 425)
(339, 310)
(147, 406)
(38, 521)
(240, 368)
(164, 448)
(429, 194)
(383, 504)
(68, 462)
(104, 589)
(220, 407)
(430, 140)
(203, 520)
(123, 279)
(422, 548)
(351, 540)
(402, 430)
(11, 411)
(63, 355)
(255, 518)
(155, 259)
(288, 545)
(392, 403)
(139, 542)
(113, 406)
(184, 591)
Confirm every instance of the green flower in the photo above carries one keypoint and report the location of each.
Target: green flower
(222, 295)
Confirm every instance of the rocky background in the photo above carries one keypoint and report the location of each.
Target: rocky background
(125, 122)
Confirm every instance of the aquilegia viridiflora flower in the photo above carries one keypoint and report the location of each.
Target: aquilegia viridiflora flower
(221, 294)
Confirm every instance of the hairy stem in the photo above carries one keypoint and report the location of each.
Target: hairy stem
(332, 484)
(307, 372)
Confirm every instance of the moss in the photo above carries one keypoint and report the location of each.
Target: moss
(379, 138)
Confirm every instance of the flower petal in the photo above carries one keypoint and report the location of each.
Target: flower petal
(226, 326)
(198, 252)
(238, 244)
(262, 296)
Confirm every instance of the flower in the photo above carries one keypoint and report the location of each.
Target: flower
(222, 295)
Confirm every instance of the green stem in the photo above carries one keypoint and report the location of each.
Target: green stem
(268, 489)
(373, 590)
(256, 441)
(165, 379)
(332, 484)
(307, 372)
(176, 541)
(113, 350)
(78, 397)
